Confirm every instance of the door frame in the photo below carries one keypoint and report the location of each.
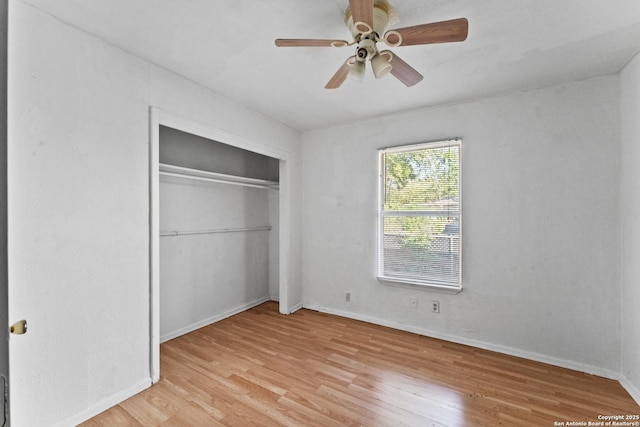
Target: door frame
(158, 117)
(4, 250)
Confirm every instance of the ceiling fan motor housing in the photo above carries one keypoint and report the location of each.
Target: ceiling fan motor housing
(381, 11)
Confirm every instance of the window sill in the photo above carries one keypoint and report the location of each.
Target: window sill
(446, 289)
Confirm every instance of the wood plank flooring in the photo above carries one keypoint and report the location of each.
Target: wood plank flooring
(260, 368)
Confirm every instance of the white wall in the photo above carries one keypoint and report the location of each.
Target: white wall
(630, 225)
(79, 211)
(540, 227)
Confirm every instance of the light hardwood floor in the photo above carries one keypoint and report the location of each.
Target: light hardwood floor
(260, 368)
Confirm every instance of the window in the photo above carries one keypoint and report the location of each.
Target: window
(420, 215)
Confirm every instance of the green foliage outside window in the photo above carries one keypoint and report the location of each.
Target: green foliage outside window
(425, 180)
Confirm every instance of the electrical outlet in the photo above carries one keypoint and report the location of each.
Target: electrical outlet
(413, 302)
(347, 297)
(435, 306)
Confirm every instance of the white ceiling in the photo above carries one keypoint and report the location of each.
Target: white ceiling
(228, 46)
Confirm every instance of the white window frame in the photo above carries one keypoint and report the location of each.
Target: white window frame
(429, 285)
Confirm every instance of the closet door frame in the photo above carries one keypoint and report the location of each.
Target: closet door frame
(157, 118)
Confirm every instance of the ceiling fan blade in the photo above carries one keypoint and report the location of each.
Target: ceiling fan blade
(341, 75)
(362, 14)
(455, 30)
(403, 71)
(310, 43)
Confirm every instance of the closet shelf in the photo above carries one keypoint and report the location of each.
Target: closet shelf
(200, 175)
(216, 231)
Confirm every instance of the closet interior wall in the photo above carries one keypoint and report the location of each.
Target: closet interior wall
(219, 239)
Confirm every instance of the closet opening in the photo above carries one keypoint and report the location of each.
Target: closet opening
(218, 242)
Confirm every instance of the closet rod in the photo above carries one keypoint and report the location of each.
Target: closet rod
(221, 181)
(218, 231)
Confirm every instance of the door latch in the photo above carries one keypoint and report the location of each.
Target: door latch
(19, 328)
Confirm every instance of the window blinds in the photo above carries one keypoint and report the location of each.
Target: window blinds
(420, 214)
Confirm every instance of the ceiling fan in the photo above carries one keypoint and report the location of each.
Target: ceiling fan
(368, 21)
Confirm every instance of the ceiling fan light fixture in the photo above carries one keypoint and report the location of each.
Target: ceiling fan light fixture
(380, 65)
(357, 71)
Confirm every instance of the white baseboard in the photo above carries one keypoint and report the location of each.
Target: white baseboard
(213, 319)
(296, 307)
(631, 389)
(105, 404)
(314, 307)
(568, 364)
